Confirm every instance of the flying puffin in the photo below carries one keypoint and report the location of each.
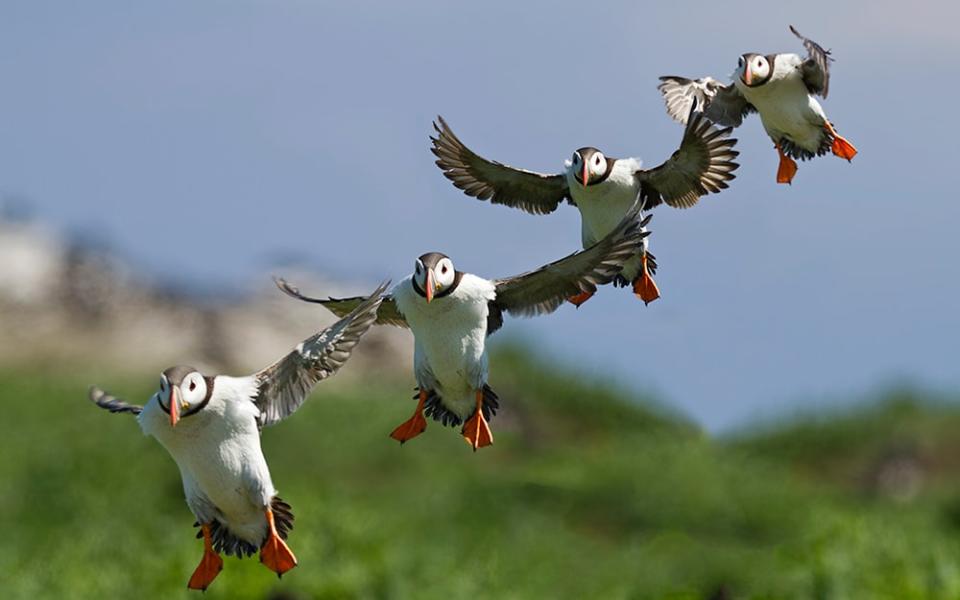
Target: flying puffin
(601, 187)
(211, 427)
(451, 313)
(782, 88)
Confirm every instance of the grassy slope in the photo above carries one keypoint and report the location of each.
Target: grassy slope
(584, 495)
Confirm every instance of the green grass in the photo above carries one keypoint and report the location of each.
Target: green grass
(587, 493)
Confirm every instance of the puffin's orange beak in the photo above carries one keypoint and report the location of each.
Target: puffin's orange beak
(586, 174)
(174, 407)
(429, 287)
(747, 74)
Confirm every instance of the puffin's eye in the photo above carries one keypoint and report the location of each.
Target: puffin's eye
(444, 269)
(596, 161)
(193, 385)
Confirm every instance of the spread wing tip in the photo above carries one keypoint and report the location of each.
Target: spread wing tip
(111, 403)
(294, 292)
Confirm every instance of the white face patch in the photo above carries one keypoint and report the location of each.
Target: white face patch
(598, 164)
(445, 273)
(193, 390)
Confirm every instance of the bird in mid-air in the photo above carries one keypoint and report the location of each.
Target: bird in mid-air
(601, 187)
(211, 426)
(783, 89)
(451, 313)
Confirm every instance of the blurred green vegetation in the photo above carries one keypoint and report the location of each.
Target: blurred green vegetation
(587, 493)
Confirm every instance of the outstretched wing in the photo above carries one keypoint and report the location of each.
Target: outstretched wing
(111, 403)
(722, 104)
(816, 68)
(284, 385)
(703, 164)
(544, 290)
(484, 179)
(387, 315)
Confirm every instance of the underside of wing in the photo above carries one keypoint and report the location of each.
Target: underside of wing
(535, 193)
(544, 290)
(386, 315)
(284, 386)
(703, 164)
(816, 68)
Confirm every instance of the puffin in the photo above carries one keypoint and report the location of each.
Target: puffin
(211, 427)
(782, 88)
(451, 313)
(601, 187)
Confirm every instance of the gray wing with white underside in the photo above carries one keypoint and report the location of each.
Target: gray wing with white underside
(285, 385)
(544, 290)
(722, 104)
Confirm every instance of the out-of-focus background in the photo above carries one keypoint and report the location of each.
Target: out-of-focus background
(782, 423)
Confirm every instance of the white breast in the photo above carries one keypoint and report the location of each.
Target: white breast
(225, 475)
(450, 336)
(603, 205)
(786, 108)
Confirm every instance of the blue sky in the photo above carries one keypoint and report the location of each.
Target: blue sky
(202, 139)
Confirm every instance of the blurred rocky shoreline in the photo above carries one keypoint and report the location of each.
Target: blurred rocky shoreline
(67, 303)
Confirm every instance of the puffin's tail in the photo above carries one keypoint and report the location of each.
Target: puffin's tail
(435, 409)
(225, 542)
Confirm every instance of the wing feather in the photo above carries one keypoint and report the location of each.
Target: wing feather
(284, 386)
(722, 104)
(544, 290)
(388, 314)
(535, 193)
(702, 165)
(816, 68)
(112, 403)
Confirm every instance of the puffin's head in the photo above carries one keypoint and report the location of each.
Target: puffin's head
(184, 391)
(433, 274)
(754, 69)
(588, 163)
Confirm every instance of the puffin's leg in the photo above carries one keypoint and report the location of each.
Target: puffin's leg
(644, 286)
(476, 430)
(413, 426)
(275, 553)
(787, 168)
(580, 298)
(210, 565)
(840, 146)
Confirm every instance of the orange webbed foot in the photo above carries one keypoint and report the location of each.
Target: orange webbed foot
(842, 148)
(413, 426)
(580, 298)
(210, 565)
(275, 554)
(476, 431)
(644, 286)
(787, 168)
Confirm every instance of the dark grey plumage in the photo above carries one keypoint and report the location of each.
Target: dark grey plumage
(544, 290)
(434, 408)
(112, 403)
(225, 542)
(702, 165)
(535, 193)
(816, 69)
(387, 314)
(284, 385)
(722, 104)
